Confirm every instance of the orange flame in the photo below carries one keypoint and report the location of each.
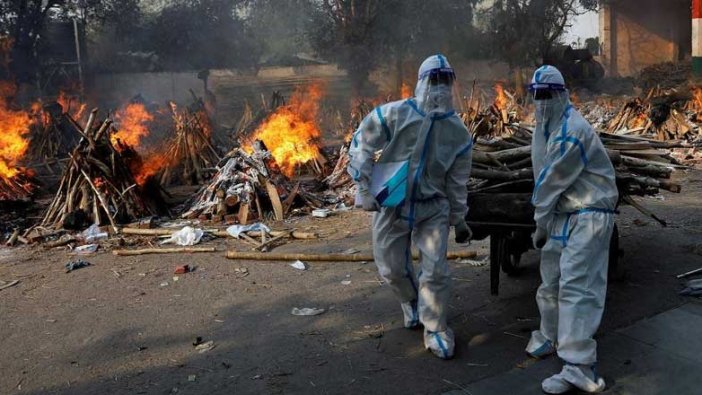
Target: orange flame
(501, 98)
(14, 126)
(132, 121)
(151, 165)
(71, 105)
(291, 132)
(697, 96)
(405, 91)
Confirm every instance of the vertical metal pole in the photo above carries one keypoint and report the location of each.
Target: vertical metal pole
(697, 38)
(76, 35)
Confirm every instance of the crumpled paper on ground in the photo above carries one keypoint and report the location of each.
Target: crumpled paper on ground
(187, 236)
(236, 230)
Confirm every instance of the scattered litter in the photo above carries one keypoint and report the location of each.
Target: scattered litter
(176, 278)
(351, 251)
(182, 269)
(192, 377)
(321, 212)
(93, 234)
(692, 288)
(85, 249)
(187, 236)
(342, 207)
(205, 347)
(116, 273)
(75, 265)
(299, 265)
(241, 271)
(4, 285)
(346, 282)
(307, 311)
(164, 284)
(236, 230)
(475, 263)
(257, 377)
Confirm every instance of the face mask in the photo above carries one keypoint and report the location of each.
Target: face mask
(439, 97)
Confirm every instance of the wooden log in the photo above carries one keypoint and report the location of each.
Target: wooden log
(521, 174)
(60, 242)
(163, 251)
(651, 171)
(244, 213)
(631, 161)
(275, 200)
(13, 238)
(655, 183)
(261, 256)
(265, 244)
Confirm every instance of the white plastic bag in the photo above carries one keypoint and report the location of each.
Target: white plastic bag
(185, 237)
(307, 311)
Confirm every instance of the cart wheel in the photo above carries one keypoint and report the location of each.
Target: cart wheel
(615, 269)
(509, 256)
(511, 265)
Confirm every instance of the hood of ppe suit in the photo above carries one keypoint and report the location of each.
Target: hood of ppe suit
(549, 112)
(438, 98)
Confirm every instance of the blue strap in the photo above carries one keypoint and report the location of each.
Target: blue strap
(441, 344)
(386, 129)
(441, 117)
(594, 210)
(414, 107)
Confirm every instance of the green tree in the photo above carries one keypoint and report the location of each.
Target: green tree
(193, 34)
(362, 35)
(522, 32)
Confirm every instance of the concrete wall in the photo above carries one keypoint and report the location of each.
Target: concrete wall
(639, 33)
(112, 90)
(233, 88)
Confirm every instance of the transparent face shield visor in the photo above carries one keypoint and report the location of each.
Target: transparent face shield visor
(439, 91)
(549, 101)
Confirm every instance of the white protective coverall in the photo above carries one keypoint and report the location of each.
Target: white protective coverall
(432, 150)
(575, 196)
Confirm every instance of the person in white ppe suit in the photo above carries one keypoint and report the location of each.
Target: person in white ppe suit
(574, 197)
(418, 187)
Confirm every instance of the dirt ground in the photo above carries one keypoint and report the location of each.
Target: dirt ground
(113, 328)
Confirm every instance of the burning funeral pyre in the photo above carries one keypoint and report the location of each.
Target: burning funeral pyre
(98, 186)
(15, 126)
(256, 179)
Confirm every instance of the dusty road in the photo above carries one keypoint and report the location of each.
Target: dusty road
(113, 328)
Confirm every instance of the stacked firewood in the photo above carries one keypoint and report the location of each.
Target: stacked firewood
(671, 115)
(191, 155)
(97, 186)
(18, 187)
(503, 165)
(238, 189)
(54, 134)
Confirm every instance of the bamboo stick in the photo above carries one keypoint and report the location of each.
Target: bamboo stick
(146, 251)
(261, 256)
